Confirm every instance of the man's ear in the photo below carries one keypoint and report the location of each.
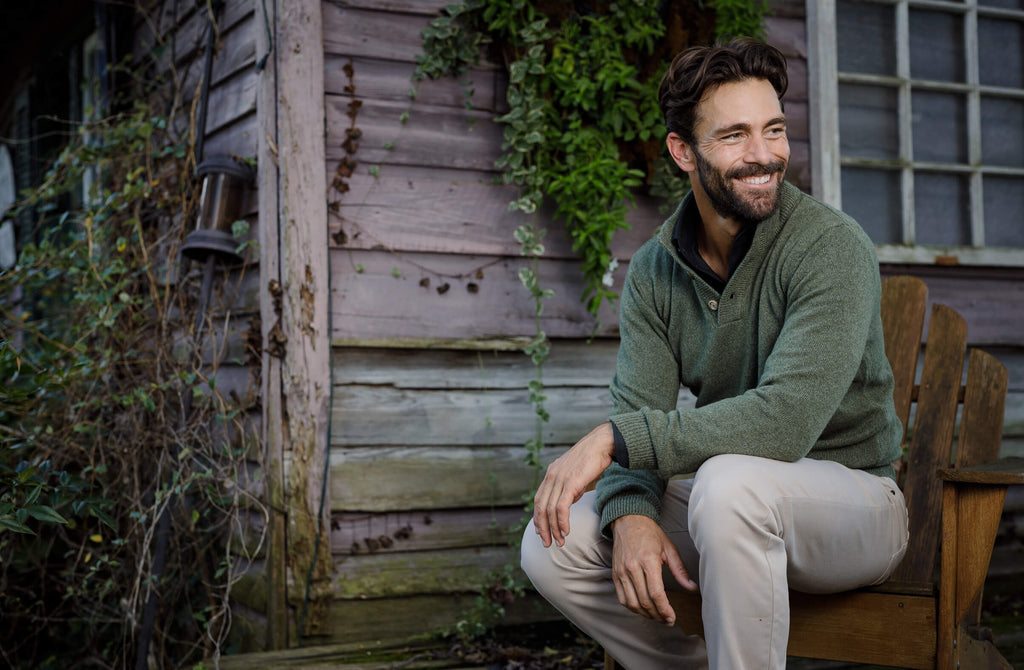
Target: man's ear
(681, 152)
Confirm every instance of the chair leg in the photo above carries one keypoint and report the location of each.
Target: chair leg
(609, 662)
(966, 551)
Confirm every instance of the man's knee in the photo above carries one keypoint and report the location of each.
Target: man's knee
(551, 569)
(729, 497)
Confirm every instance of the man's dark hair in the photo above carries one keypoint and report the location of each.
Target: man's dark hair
(697, 71)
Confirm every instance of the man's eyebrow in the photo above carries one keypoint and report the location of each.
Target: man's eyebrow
(746, 126)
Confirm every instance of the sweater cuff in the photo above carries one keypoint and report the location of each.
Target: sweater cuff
(627, 504)
(633, 428)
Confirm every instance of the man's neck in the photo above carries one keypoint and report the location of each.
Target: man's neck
(715, 235)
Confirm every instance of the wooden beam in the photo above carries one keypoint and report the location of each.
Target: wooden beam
(304, 288)
(270, 313)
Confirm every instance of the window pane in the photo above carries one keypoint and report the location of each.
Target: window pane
(1002, 132)
(872, 197)
(868, 124)
(1001, 52)
(1004, 211)
(942, 214)
(936, 46)
(1003, 4)
(866, 38)
(940, 127)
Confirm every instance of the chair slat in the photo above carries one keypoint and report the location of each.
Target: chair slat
(903, 307)
(981, 423)
(931, 445)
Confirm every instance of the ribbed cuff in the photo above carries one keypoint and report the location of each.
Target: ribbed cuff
(632, 426)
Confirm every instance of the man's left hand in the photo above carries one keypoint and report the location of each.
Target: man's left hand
(566, 480)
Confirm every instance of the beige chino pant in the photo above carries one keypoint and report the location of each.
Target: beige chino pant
(750, 529)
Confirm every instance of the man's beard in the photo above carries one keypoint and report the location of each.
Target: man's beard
(727, 202)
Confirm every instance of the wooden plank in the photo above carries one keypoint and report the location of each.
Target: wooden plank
(450, 296)
(571, 363)
(238, 138)
(852, 626)
(375, 34)
(415, 573)
(236, 53)
(375, 79)
(903, 308)
(181, 42)
(467, 213)
(433, 136)
(425, 7)
(380, 415)
(264, 136)
(366, 621)
(231, 100)
(979, 509)
(931, 444)
(858, 626)
(1004, 472)
(303, 293)
(422, 530)
(395, 479)
(981, 422)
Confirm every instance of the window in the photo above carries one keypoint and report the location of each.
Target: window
(919, 124)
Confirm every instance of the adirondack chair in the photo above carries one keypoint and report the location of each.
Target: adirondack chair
(923, 617)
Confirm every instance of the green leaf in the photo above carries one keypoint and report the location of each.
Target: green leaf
(45, 513)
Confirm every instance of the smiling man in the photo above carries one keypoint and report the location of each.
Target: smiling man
(764, 303)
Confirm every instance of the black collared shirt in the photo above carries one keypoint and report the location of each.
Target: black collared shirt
(685, 241)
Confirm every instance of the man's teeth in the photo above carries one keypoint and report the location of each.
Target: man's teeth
(760, 179)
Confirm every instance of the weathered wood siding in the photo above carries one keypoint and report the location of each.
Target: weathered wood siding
(430, 402)
(431, 405)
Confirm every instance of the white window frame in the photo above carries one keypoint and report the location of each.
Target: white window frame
(823, 82)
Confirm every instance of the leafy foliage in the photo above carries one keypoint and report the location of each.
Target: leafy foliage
(97, 440)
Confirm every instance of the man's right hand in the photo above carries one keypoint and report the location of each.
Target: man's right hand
(639, 550)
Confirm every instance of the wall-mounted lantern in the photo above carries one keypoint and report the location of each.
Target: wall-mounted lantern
(224, 185)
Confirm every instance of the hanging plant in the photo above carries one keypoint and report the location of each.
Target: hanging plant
(583, 126)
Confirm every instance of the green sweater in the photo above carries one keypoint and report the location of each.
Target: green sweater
(787, 362)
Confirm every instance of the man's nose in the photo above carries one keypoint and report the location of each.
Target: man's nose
(758, 150)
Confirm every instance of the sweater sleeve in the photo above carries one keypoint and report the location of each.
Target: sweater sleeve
(647, 376)
(832, 295)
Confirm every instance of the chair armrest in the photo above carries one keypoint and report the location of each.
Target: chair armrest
(1005, 471)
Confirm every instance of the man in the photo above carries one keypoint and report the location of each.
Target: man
(765, 304)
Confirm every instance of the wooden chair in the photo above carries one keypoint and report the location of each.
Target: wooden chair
(922, 617)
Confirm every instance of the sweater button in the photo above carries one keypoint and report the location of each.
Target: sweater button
(713, 304)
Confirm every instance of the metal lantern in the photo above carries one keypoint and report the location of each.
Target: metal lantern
(224, 185)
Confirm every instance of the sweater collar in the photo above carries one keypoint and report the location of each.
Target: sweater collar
(764, 233)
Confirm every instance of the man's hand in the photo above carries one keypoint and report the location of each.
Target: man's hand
(639, 550)
(566, 480)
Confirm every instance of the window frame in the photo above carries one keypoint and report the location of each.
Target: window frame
(824, 78)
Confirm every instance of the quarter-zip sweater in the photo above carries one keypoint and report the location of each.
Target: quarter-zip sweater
(786, 362)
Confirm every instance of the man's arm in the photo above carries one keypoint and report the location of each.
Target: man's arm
(832, 297)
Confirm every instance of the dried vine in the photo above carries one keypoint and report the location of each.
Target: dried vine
(98, 439)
